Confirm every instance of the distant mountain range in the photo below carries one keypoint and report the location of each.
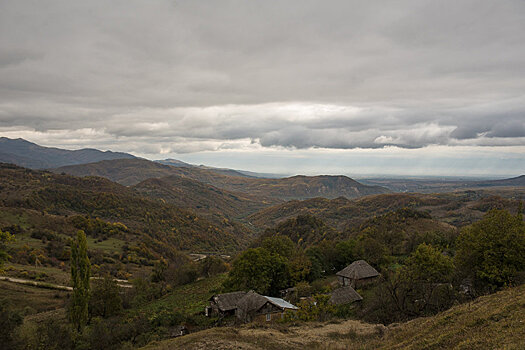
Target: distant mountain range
(31, 155)
(262, 188)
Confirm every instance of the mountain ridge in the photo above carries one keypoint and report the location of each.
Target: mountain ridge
(132, 171)
(30, 155)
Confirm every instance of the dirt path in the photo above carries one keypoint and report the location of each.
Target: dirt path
(35, 283)
(120, 283)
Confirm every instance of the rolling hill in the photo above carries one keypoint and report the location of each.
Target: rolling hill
(202, 198)
(158, 225)
(31, 155)
(132, 171)
(458, 208)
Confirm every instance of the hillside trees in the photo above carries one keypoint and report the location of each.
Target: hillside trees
(5, 238)
(421, 286)
(80, 273)
(105, 299)
(9, 321)
(492, 251)
(260, 270)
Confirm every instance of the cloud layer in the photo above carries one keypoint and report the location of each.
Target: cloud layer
(162, 77)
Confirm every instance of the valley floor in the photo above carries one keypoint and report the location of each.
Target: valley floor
(495, 321)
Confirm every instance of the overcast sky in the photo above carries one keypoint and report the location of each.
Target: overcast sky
(353, 87)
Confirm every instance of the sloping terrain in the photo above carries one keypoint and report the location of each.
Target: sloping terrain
(458, 208)
(223, 171)
(304, 230)
(31, 155)
(515, 181)
(126, 172)
(159, 224)
(495, 321)
(130, 172)
(202, 198)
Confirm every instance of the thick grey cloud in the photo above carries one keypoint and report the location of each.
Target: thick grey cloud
(159, 77)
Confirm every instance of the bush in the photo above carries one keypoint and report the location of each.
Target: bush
(211, 266)
(9, 321)
(50, 334)
(105, 298)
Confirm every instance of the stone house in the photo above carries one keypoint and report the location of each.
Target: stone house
(357, 274)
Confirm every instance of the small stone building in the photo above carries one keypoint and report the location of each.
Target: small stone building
(224, 304)
(357, 274)
(254, 307)
(344, 295)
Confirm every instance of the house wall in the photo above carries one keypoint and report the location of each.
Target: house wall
(344, 281)
(275, 316)
(364, 282)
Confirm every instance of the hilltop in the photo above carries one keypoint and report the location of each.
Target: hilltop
(489, 322)
(132, 171)
(31, 155)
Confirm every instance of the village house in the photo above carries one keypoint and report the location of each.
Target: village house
(248, 307)
(223, 305)
(357, 274)
(344, 295)
(254, 307)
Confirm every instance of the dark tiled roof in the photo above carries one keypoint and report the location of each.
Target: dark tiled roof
(358, 270)
(228, 301)
(344, 295)
(253, 301)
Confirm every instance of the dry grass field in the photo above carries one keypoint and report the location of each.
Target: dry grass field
(491, 322)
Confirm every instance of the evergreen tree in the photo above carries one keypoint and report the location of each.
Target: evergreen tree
(80, 273)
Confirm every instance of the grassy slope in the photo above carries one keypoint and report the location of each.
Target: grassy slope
(188, 299)
(491, 322)
(22, 297)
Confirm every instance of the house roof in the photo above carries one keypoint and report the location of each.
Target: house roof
(358, 270)
(283, 304)
(253, 301)
(344, 295)
(227, 301)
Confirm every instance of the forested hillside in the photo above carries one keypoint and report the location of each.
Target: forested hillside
(160, 226)
(458, 208)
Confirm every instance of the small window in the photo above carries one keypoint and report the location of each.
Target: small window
(268, 317)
